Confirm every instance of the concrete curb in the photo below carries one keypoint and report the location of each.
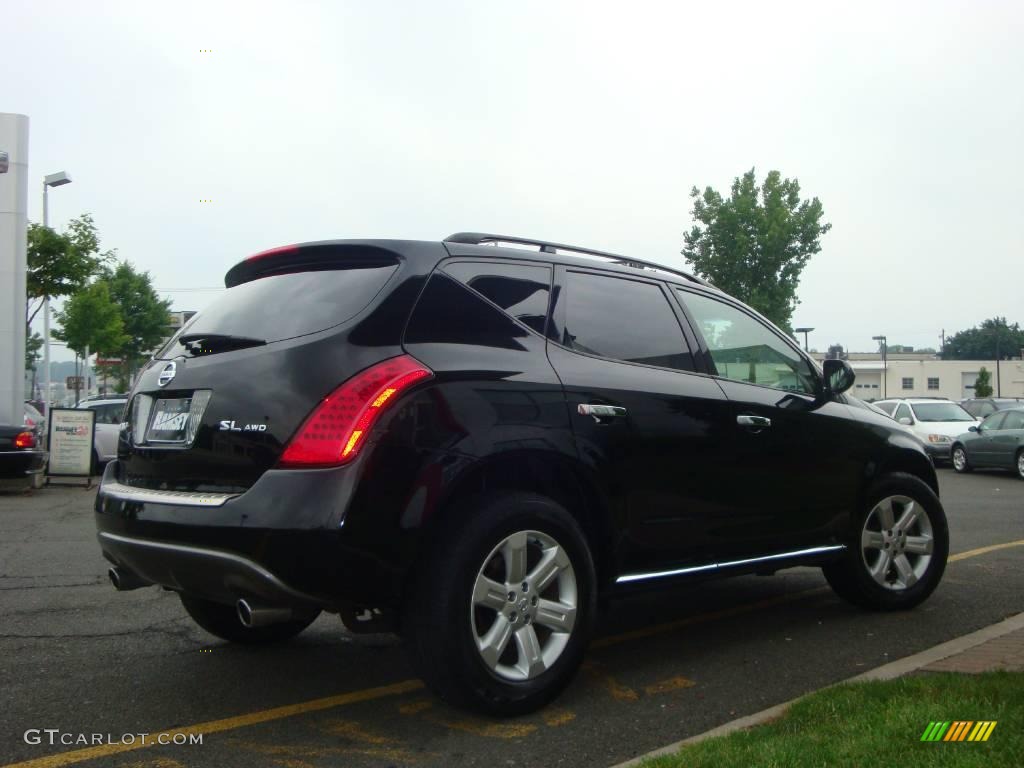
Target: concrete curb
(885, 672)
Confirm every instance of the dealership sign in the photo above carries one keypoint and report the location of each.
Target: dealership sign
(70, 438)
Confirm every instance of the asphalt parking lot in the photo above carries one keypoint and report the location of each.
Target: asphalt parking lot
(79, 657)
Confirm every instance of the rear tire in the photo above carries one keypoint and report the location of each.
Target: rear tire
(223, 622)
(1020, 463)
(959, 459)
(899, 554)
(502, 606)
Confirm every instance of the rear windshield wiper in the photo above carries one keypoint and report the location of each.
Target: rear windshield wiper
(209, 343)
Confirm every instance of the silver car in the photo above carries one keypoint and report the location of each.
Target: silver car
(109, 415)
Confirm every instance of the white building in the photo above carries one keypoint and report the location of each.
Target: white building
(922, 375)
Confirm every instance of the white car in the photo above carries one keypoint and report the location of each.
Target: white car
(109, 415)
(936, 421)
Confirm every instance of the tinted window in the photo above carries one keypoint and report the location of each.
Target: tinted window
(623, 319)
(745, 350)
(450, 313)
(284, 306)
(903, 412)
(1014, 420)
(521, 290)
(887, 407)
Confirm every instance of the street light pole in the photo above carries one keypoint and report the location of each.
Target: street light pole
(804, 331)
(53, 180)
(885, 363)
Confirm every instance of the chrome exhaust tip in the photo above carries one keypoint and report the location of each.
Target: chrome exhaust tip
(253, 615)
(124, 580)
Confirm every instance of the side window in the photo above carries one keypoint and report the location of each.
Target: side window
(903, 411)
(887, 407)
(449, 313)
(1014, 420)
(994, 421)
(624, 320)
(984, 409)
(521, 290)
(745, 350)
(108, 414)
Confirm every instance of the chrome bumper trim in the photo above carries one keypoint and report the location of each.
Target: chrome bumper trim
(116, 490)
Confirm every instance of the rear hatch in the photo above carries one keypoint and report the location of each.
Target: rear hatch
(215, 408)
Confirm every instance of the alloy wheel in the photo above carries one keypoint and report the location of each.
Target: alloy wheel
(523, 607)
(897, 542)
(959, 459)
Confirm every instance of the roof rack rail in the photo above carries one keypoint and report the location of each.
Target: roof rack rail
(485, 238)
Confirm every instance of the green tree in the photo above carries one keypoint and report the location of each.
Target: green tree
(91, 319)
(144, 314)
(755, 243)
(33, 343)
(994, 338)
(983, 384)
(59, 264)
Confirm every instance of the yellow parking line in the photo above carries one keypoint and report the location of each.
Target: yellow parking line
(406, 686)
(984, 550)
(227, 724)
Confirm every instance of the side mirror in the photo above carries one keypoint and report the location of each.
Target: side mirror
(905, 420)
(974, 428)
(839, 376)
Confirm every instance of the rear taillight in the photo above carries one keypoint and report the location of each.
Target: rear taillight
(273, 252)
(25, 440)
(338, 427)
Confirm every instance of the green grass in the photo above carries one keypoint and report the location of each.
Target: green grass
(878, 724)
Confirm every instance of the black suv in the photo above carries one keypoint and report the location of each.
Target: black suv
(469, 441)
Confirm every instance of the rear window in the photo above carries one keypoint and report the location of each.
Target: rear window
(285, 306)
(940, 412)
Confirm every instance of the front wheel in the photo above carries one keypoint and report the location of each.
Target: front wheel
(900, 553)
(501, 611)
(960, 463)
(1020, 463)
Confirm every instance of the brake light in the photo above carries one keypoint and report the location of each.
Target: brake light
(273, 252)
(25, 440)
(337, 428)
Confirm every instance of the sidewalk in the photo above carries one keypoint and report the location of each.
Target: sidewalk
(1004, 652)
(996, 647)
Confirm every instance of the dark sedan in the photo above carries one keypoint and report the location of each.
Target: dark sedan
(997, 443)
(21, 453)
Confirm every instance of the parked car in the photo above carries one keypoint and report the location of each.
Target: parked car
(936, 421)
(996, 443)
(980, 407)
(469, 441)
(23, 449)
(109, 415)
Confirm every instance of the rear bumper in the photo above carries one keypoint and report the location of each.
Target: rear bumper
(216, 575)
(20, 464)
(282, 542)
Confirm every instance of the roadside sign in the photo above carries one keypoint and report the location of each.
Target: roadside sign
(101, 361)
(71, 432)
(75, 382)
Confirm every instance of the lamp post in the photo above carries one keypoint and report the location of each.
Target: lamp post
(804, 331)
(885, 362)
(53, 180)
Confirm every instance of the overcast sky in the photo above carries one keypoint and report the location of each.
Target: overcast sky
(585, 123)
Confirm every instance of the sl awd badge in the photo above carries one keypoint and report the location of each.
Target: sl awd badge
(231, 426)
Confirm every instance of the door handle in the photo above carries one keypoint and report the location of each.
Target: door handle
(601, 413)
(753, 422)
